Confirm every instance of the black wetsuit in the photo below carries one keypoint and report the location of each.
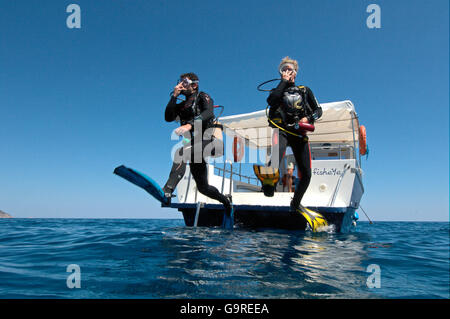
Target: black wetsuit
(286, 114)
(197, 109)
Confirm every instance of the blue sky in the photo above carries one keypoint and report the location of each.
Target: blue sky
(75, 103)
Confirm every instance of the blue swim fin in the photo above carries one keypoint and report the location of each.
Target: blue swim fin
(143, 181)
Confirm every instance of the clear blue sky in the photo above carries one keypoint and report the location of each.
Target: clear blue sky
(75, 103)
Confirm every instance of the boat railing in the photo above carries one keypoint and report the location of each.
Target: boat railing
(236, 176)
(339, 150)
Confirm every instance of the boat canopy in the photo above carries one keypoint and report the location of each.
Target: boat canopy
(338, 124)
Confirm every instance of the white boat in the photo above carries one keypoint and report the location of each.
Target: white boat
(335, 189)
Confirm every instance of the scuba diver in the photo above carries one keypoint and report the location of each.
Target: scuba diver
(196, 116)
(291, 106)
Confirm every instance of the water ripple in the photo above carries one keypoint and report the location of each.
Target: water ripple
(163, 259)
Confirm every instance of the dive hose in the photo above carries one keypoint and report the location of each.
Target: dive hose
(303, 126)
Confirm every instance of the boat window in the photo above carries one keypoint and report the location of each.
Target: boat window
(328, 151)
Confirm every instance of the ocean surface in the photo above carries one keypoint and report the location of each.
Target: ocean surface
(150, 258)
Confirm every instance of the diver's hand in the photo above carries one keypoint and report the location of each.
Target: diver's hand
(183, 129)
(177, 89)
(304, 120)
(288, 75)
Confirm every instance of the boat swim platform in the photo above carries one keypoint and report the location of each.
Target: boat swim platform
(257, 216)
(257, 208)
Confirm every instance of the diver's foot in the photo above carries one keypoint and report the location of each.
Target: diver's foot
(168, 194)
(293, 206)
(167, 202)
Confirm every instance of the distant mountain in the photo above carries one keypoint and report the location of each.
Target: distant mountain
(4, 215)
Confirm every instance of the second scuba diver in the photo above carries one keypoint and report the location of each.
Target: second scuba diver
(197, 110)
(290, 105)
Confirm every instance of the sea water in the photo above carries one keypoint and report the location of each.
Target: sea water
(150, 258)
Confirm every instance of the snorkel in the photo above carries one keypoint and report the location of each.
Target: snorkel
(287, 66)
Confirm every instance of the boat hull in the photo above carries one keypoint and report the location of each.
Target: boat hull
(253, 217)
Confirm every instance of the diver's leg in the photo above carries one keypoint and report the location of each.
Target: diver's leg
(176, 173)
(199, 172)
(213, 148)
(302, 153)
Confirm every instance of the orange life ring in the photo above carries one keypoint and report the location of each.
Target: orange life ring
(238, 148)
(362, 140)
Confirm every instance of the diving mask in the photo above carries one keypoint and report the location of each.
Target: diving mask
(186, 82)
(287, 67)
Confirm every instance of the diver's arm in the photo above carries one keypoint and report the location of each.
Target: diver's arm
(277, 93)
(315, 106)
(171, 110)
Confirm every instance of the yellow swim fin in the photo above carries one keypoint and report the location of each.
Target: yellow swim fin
(268, 177)
(314, 219)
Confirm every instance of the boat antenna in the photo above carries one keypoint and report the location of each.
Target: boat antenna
(370, 222)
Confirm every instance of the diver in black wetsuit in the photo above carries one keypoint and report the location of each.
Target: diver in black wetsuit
(195, 111)
(289, 105)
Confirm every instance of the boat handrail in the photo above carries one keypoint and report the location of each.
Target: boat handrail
(223, 171)
(338, 185)
(188, 185)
